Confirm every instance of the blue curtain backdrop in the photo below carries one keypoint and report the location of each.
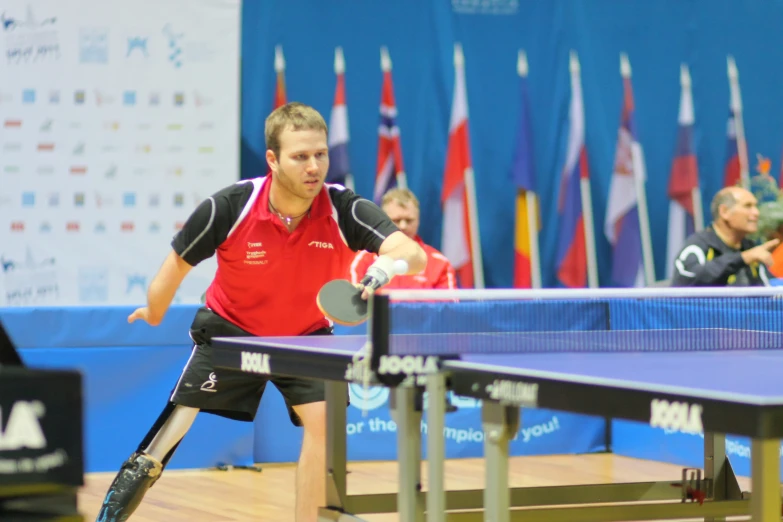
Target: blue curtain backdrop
(420, 34)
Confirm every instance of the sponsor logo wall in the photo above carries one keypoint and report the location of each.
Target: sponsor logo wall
(116, 121)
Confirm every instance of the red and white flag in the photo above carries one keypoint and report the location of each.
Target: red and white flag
(460, 242)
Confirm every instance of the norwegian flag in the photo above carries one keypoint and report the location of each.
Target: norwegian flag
(339, 166)
(461, 243)
(390, 172)
(280, 96)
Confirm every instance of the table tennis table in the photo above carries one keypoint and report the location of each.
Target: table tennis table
(681, 374)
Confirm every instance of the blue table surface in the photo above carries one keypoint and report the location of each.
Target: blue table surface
(744, 375)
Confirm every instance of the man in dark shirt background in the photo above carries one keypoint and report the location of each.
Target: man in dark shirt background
(723, 254)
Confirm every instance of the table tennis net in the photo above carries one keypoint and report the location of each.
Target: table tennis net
(475, 322)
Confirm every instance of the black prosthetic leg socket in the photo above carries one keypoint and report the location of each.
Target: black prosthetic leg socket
(136, 476)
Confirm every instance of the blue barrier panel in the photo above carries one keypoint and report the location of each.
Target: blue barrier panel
(126, 386)
(373, 436)
(542, 432)
(65, 327)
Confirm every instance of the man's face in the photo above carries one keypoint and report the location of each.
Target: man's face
(406, 217)
(303, 162)
(743, 216)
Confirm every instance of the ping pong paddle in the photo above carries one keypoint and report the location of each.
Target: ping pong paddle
(342, 302)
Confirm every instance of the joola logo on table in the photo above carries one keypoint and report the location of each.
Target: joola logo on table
(23, 427)
(395, 364)
(678, 416)
(255, 362)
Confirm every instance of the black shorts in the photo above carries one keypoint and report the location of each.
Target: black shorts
(234, 394)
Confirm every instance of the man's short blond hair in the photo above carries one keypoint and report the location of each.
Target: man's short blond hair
(296, 116)
(402, 197)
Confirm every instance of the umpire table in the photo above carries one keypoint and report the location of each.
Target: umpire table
(691, 360)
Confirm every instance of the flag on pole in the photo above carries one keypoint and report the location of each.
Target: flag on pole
(685, 210)
(627, 225)
(339, 166)
(576, 265)
(280, 96)
(736, 168)
(390, 172)
(527, 265)
(731, 170)
(460, 242)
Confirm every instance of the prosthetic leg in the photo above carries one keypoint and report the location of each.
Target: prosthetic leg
(144, 467)
(136, 476)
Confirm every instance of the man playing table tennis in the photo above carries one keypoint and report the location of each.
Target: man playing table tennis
(723, 254)
(278, 240)
(402, 206)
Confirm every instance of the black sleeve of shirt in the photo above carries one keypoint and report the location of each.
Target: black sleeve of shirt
(208, 226)
(691, 268)
(363, 224)
(759, 275)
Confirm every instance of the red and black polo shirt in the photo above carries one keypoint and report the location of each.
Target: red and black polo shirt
(267, 278)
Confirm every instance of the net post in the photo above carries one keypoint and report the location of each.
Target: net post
(379, 327)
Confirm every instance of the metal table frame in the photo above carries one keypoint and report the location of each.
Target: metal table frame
(500, 419)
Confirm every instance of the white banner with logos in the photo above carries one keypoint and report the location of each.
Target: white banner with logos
(116, 119)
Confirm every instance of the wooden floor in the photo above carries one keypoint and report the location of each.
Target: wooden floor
(268, 496)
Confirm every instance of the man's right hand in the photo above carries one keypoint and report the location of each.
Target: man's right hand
(144, 314)
(761, 253)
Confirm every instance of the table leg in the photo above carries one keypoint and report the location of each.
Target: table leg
(500, 423)
(765, 505)
(409, 499)
(436, 451)
(336, 444)
(714, 467)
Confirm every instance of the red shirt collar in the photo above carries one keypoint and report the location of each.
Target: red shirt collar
(321, 207)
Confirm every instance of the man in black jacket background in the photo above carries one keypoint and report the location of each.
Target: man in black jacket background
(723, 254)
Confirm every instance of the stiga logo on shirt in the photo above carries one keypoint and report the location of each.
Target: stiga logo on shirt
(677, 416)
(23, 426)
(255, 363)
